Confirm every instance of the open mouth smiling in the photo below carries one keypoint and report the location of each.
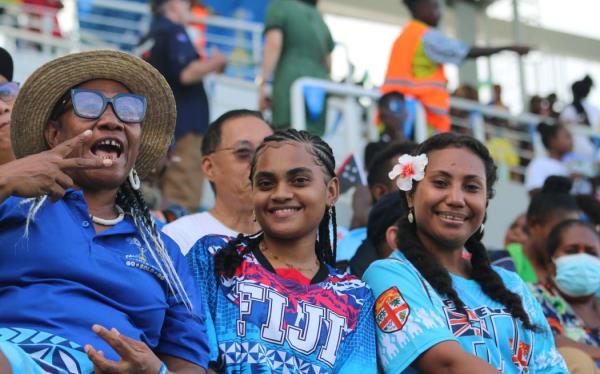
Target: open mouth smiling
(107, 148)
(284, 211)
(453, 216)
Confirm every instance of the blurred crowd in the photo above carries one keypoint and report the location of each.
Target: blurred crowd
(108, 153)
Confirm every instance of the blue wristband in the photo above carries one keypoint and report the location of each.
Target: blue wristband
(163, 369)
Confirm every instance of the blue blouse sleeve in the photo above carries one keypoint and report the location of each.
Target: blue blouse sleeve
(183, 332)
(359, 353)
(407, 314)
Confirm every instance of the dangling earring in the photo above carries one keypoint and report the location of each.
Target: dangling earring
(253, 216)
(134, 180)
(330, 212)
(481, 229)
(411, 216)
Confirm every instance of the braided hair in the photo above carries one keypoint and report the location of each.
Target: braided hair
(229, 258)
(426, 263)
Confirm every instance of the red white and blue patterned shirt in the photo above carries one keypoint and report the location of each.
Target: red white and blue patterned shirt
(262, 322)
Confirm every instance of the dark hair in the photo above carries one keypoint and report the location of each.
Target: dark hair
(590, 207)
(385, 213)
(556, 235)
(212, 138)
(410, 4)
(548, 133)
(581, 89)
(386, 97)
(230, 258)
(554, 199)
(310, 2)
(481, 270)
(380, 164)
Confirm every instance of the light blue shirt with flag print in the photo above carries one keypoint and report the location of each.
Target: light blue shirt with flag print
(412, 317)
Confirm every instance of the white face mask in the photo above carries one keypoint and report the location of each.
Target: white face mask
(578, 275)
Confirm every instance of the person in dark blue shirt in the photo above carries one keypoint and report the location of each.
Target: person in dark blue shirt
(171, 51)
(87, 282)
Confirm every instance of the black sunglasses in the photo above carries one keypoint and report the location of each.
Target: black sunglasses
(90, 104)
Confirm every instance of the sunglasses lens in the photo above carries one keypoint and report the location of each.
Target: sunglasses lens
(88, 104)
(8, 91)
(130, 108)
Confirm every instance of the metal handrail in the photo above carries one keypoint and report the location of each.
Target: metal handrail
(476, 122)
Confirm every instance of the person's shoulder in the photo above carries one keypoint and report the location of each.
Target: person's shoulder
(163, 24)
(395, 266)
(502, 259)
(511, 280)
(195, 226)
(396, 260)
(187, 222)
(212, 244)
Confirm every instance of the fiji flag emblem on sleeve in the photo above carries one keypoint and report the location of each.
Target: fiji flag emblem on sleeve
(391, 311)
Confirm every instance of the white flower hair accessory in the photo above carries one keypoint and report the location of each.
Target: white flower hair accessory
(408, 168)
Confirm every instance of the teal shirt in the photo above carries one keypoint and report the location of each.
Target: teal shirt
(412, 317)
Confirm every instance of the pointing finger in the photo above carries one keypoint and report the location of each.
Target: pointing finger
(66, 147)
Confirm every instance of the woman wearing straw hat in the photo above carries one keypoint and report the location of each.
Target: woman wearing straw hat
(86, 280)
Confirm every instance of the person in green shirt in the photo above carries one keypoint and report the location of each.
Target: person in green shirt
(297, 44)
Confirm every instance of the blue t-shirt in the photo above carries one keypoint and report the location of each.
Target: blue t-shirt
(269, 324)
(63, 278)
(171, 52)
(412, 317)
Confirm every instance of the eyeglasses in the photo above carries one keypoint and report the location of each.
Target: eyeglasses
(91, 104)
(243, 154)
(8, 91)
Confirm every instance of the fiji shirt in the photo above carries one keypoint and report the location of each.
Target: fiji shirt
(412, 317)
(62, 278)
(269, 324)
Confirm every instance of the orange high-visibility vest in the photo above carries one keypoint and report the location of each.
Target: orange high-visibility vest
(431, 90)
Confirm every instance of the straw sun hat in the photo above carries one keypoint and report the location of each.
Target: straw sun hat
(42, 90)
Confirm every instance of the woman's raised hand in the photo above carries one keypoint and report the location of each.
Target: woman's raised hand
(45, 173)
(136, 356)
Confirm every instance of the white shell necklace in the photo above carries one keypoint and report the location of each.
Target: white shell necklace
(109, 222)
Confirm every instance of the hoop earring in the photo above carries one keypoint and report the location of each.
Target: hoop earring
(411, 216)
(134, 180)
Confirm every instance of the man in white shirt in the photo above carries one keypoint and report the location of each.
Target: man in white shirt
(227, 148)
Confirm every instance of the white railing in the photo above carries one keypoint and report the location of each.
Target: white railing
(481, 121)
(242, 40)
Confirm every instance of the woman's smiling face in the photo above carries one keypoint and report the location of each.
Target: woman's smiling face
(450, 202)
(290, 191)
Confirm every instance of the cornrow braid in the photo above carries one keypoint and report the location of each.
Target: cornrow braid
(323, 156)
(482, 272)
